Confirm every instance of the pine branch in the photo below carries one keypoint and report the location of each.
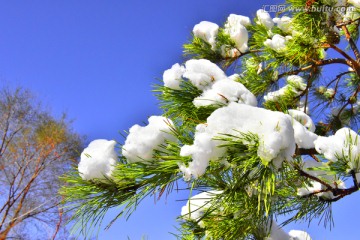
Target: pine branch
(317, 63)
(344, 54)
(353, 47)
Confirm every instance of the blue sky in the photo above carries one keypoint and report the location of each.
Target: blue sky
(98, 60)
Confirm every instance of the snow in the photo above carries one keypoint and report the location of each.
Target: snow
(225, 91)
(308, 189)
(344, 144)
(295, 84)
(202, 150)
(303, 129)
(302, 118)
(316, 187)
(274, 129)
(172, 76)
(197, 205)
(277, 43)
(264, 18)
(321, 173)
(234, 19)
(142, 141)
(202, 73)
(236, 29)
(207, 31)
(303, 137)
(297, 81)
(299, 235)
(98, 160)
(277, 233)
(284, 23)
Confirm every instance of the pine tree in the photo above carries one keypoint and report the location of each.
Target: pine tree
(249, 122)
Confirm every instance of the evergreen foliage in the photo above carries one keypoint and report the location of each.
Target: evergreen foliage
(284, 65)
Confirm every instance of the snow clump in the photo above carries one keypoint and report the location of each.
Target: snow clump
(304, 129)
(277, 233)
(172, 76)
(225, 91)
(344, 144)
(142, 141)
(202, 73)
(264, 18)
(295, 85)
(277, 42)
(98, 160)
(274, 129)
(218, 89)
(235, 27)
(284, 23)
(207, 31)
(197, 205)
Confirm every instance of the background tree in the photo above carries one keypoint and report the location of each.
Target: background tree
(245, 141)
(35, 149)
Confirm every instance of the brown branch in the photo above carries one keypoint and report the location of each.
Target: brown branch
(316, 64)
(331, 61)
(342, 193)
(302, 151)
(338, 77)
(344, 54)
(354, 178)
(22, 196)
(351, 42)
(296, 71)
(61, 212)
(339, 25)
(14, 219)
(308, 86)
(307, 175)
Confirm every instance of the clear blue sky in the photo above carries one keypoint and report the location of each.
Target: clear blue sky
(97, 60)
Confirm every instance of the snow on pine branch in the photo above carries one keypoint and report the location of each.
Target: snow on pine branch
(277, 233)
(321, 171)
(207, 31)
(142, 141)
(274, 129)
(197, 205)
(278, 136)
(218, 89)
(304, 129)
(295, 85)
(343, 145)
(235, 28)
(98, 160)
(225, 91)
